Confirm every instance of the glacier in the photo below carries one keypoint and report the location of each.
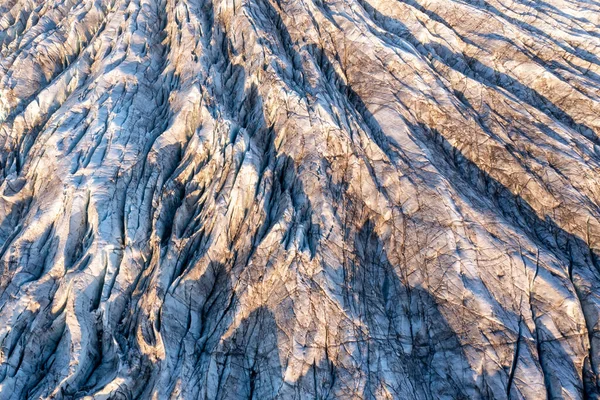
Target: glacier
(260, 199)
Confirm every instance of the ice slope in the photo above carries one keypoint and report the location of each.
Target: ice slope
(258, 199)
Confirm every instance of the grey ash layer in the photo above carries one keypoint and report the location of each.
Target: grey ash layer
(258, 199)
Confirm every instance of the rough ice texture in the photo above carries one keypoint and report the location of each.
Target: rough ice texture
(257, 199)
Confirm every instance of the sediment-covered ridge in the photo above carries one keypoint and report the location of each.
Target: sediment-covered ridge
(354, 199)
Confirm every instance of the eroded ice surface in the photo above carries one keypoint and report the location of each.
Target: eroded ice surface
(391, 199)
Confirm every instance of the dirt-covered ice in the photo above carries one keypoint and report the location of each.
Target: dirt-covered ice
(299, 199)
